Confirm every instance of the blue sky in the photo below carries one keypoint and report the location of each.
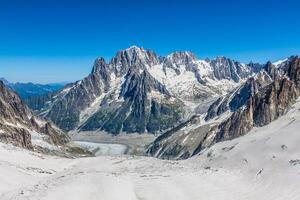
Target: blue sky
(58, 40)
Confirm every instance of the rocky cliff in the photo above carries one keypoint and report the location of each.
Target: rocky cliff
(19, 126)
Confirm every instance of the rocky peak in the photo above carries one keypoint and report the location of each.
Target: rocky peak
(221, 61)
(255, 67)
(99, 65)
(2, 85)
(293, 70)
(176, 59)
(281, 63)
(225, 68)
(181, 57)
(101, 71)
(133, 57)
(271, 70)
(4, 81)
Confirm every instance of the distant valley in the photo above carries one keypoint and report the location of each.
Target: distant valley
(26, 90)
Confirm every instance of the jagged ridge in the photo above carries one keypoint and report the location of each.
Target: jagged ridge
(163, 92)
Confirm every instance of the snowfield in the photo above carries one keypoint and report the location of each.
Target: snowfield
(265, 164)
(99, 149)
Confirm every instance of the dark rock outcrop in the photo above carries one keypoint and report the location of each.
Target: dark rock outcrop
(266, 105)
(17, 122)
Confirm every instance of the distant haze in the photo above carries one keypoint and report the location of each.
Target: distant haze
(45, 70)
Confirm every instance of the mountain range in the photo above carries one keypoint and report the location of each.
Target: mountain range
(138, 91)
(190, 104)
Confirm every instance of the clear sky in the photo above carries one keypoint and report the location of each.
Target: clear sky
(56, 41)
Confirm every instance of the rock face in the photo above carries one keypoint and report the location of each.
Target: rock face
(225, 68)
(147, 106)
(138, 91)
(20, 127)
(257, 102)
(267, 100)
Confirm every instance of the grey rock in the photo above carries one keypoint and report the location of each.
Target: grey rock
(17, 122)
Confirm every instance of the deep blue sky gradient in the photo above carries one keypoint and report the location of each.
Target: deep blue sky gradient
(54, 41)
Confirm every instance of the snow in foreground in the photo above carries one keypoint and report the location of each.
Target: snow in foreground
(264, 164)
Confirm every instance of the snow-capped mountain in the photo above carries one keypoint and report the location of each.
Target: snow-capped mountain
(19, 126)
(258, 101)
(138, 91)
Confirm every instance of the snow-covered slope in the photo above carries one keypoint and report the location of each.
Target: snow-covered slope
(264, 164)
(265, 154)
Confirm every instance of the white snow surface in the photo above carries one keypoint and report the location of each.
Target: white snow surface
(38, 140)
(264, 164)
(186, 86)
(102, 148)
(279, 62)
